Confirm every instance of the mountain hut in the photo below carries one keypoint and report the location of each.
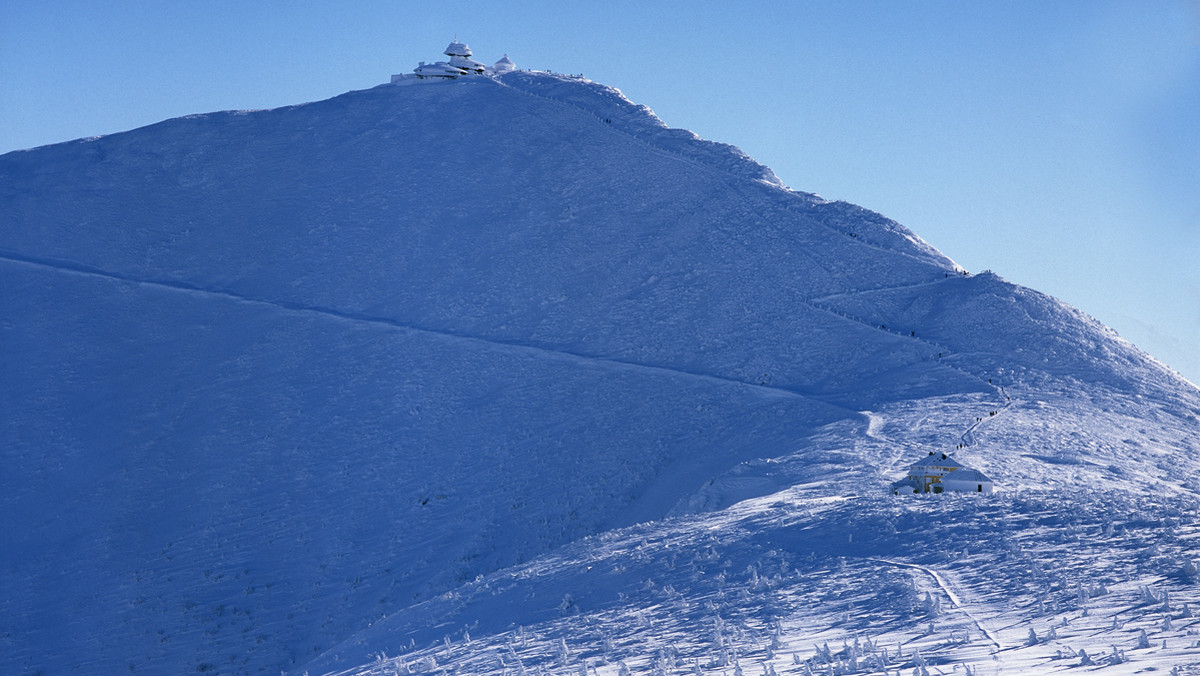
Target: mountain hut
(939, 473)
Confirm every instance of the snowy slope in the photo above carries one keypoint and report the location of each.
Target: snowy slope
(271, 377)
(577, 234)
(801, 584)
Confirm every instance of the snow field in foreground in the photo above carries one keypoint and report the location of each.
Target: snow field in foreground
(769, 583)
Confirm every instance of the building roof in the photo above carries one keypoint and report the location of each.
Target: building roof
(439, 69)
(467, 64)
(966, 474)
(457, 48)
(906, 482)
(505, 64)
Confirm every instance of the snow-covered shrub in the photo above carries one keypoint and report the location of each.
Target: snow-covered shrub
(1116, 656)
(931, 605)
(777, 642)
(1147, 595)
(1188, 572)
(568, 603)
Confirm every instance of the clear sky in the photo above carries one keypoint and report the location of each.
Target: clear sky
(1055, 143)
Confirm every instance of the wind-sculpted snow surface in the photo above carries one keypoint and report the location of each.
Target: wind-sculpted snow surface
(611, 106)
(276, 477)
(1044, 339)
(800, 584)
(270, 377)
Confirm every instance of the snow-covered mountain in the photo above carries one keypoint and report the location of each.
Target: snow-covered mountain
(501, 374)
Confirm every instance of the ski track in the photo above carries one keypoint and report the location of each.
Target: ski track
(72, 267)
(955, 599)
(874, 423)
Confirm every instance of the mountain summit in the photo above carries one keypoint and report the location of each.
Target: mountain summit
(411, 369)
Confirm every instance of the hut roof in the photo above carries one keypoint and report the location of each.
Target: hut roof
(966, 474)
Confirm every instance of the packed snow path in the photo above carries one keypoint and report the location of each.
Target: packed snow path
(968, 437)
(79, 269)
(942, 352)
(950, 594)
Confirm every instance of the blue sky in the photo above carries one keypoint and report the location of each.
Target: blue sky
(1057, 144)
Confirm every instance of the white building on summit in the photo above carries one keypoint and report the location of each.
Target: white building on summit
(939, 473)
(429, 71)
(460, 57)
(504, 65)
(459, 65)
